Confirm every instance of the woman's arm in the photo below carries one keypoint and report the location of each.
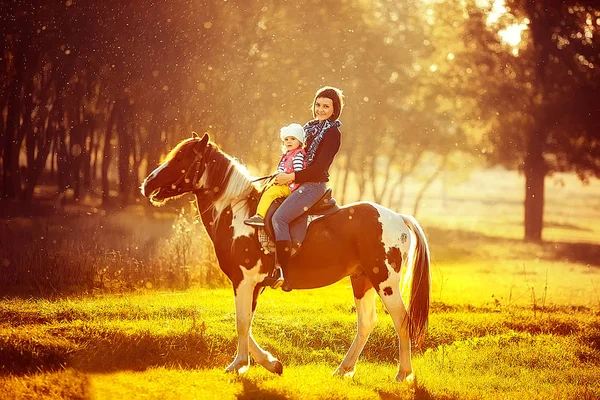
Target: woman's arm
(318, 170)
(297, 163)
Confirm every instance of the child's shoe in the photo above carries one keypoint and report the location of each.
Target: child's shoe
(255, 220)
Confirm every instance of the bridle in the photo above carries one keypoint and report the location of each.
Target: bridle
(195, 168)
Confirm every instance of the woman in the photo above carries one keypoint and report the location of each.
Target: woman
(323, 140)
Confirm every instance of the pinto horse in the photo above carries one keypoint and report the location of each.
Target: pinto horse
(365, 241)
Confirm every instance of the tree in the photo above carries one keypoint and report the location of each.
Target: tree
(537, 96)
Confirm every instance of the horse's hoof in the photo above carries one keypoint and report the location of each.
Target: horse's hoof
(278, 368)
(405, 377)
(344, 372)
(234, 368)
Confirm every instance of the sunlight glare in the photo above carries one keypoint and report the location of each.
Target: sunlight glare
(512, 34)
(497, 11)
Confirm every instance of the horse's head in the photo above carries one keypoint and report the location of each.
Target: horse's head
(179, 173)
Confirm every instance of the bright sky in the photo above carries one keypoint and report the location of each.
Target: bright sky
(512, 34)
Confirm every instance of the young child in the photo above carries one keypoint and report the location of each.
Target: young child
(292, 160)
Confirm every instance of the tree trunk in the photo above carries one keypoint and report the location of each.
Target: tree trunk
(88, 140)
(426, 185)
(107, 154)
(392, 200)
(136, 152)
(9, 158)
(346, 172)
(362, 182)
(535, 166)
(43, 143)
(124, 167)
(94, 145)
(63, 161)
(77, 144)
(535, 173)
(153, 148)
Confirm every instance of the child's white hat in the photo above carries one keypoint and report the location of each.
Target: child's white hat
(294, 130)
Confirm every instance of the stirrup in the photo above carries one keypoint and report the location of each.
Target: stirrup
(279, 280)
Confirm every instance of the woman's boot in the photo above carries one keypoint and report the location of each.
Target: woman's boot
(283, 249)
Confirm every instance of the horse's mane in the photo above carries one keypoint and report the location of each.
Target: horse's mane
(176, 149)
(226, 176)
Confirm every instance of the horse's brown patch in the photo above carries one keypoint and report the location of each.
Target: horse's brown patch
(360, 285)
(394, 258)
(388, 291)
(243, 252)
(372, 256)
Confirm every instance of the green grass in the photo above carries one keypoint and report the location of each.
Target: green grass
(509, 320)
(176, 344)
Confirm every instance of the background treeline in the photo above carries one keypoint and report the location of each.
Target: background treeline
(93, 93)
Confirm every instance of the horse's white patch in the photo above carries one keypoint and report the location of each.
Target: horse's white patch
(152, 175)
(253, 274)
(201, 181)
(393, 228)
(237, 222)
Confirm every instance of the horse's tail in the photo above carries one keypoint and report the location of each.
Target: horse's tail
(418, 309)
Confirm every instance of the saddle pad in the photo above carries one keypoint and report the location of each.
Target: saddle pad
(267, 245)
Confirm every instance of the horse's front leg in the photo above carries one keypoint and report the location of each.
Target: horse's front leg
(246, 297)
(243, 320)
(265, 358)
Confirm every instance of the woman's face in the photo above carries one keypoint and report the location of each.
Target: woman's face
(323, 108)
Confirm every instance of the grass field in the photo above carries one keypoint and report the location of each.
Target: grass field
(509, 320)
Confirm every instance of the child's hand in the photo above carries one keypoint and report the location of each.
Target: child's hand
(283, 178)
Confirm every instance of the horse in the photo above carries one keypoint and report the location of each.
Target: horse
(365, 241)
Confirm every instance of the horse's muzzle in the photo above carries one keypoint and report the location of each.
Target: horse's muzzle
(148, 188)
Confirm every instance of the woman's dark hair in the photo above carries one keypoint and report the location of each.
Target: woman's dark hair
(336, 96)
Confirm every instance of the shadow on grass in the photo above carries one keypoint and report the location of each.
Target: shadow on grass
(463, 245)
(252, 391)
(123, 352)
(560, 225)
(112, 353)
(417, 392)
(583, 253)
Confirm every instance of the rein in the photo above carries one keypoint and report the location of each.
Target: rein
(262, 178)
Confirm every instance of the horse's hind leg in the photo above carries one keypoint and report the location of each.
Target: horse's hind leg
(389, 291)
(364, 297)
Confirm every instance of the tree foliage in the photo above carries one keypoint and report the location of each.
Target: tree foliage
(93, 93)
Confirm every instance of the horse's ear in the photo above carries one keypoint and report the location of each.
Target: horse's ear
(204, 140)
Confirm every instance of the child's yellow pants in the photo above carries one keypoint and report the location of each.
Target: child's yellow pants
(269, 195)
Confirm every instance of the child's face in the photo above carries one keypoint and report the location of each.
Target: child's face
(291, 143)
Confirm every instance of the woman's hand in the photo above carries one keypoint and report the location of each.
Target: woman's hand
(283, 178)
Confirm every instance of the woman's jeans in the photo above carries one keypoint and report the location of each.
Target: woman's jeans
(292, 211)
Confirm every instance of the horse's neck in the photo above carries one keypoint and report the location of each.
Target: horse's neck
(219, 222)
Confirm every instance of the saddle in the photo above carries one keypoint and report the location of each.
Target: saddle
(326, 206)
